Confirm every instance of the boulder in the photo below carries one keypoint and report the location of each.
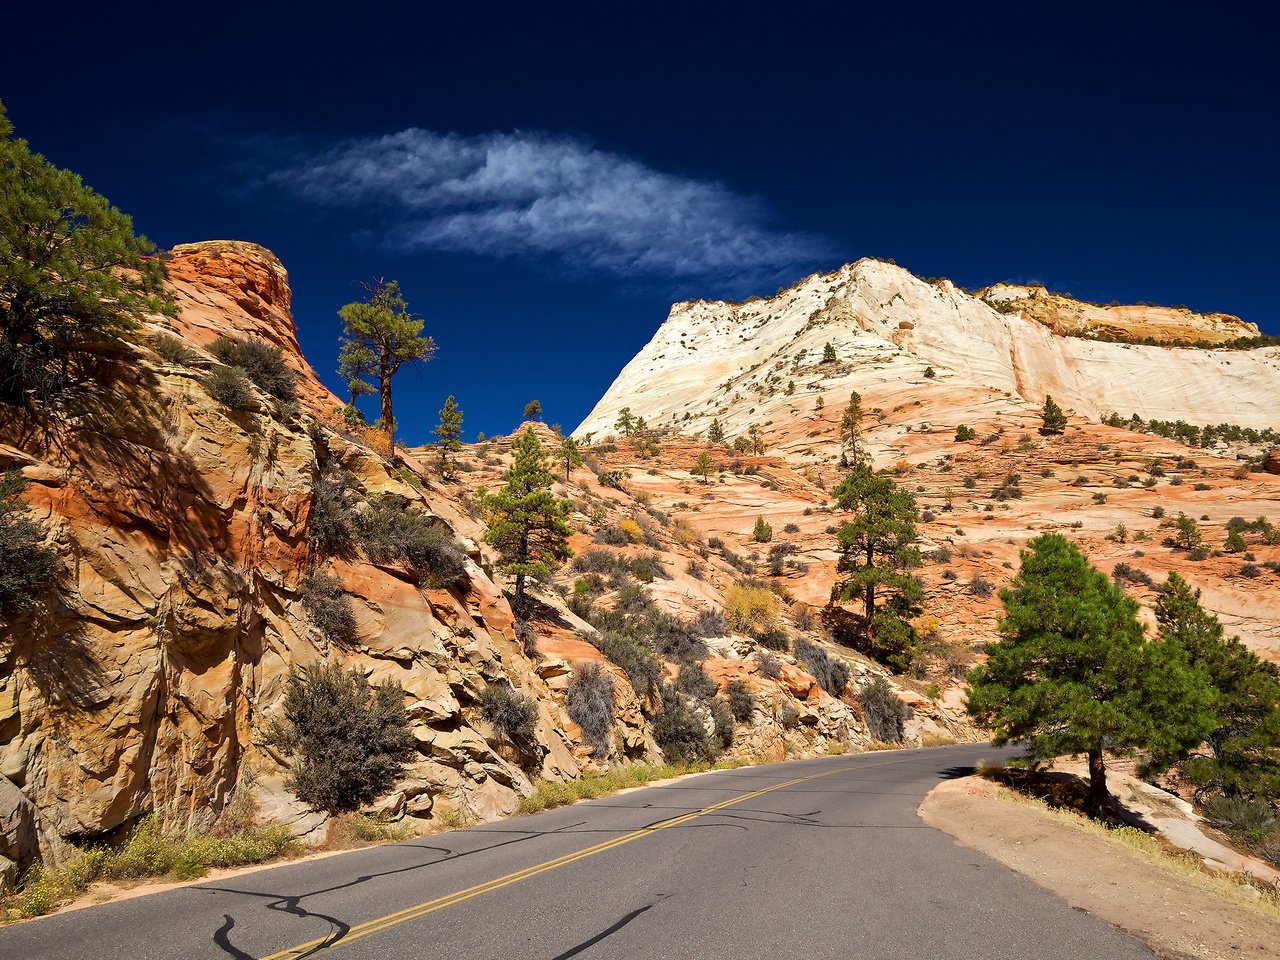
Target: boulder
(19, 841)
(1272, 463)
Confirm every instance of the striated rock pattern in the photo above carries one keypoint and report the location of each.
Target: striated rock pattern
(143, 685)
(887, 324)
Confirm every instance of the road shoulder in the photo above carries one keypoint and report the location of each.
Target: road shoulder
(1178, 914)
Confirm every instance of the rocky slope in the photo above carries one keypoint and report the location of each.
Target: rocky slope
(144, 684)
(761, 361)
(926, 358)
(1063, 314)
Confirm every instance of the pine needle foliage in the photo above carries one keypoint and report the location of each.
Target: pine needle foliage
(74, 277)
(1073, 672)
(527, 522)
(27, 566)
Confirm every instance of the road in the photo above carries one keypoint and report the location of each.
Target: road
(810, 859)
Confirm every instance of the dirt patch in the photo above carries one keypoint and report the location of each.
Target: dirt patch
(1177, 910)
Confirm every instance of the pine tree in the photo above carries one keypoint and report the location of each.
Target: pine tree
(761, 532)
(382, 325)
(1244, 743)
(704, 468)
(878, 551)
(757, 439)
(73, 274)
(1074, 673)
(1054, 420)
(356, 363)
(626, 422)
(527, 522)
(715, 433)
(533, 410)
(828, 354)
(851, 431)
(449, 433)
(1235, 543)
(570, 455)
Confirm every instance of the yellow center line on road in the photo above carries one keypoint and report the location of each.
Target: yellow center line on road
(379, 924)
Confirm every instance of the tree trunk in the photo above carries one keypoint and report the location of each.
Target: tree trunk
(869, 600)
(1097, 783)
(384, 390)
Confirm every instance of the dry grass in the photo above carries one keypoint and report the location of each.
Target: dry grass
(1237, 887)
(146, 854)
(548, 794)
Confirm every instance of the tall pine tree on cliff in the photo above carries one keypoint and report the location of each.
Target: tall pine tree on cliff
(381, 326)
(527, 522)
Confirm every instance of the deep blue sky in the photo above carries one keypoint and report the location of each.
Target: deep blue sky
(1117, 154)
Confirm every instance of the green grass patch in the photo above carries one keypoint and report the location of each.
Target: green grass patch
(146, 854)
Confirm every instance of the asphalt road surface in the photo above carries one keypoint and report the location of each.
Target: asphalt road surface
(821, 858)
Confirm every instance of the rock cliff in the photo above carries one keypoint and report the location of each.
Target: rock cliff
(142, 686)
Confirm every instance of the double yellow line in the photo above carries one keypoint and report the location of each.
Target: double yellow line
(379, 924)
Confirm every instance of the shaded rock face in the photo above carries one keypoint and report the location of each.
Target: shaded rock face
(142, 684)
(1272, 463)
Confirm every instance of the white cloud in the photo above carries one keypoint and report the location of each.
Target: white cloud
(517, 194)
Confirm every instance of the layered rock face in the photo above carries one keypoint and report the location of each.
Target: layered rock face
(927, 358)
(143, 684)
(730, 360)
(1063, 314)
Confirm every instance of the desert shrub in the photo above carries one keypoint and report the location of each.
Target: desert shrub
(229, 386)
(775, 638)
(707, 623)
(1239, 814)
(949, 574)
(27, 566)
(348, 740)
(722, 717)
(693, 680)
(832, 673)
(172, 350)
(512, 715)
(330, 530)
(789, 717)
(677, 639)
(597, 561)
(631, 530)
(328, 607)
(611, 536)
(751, 609)
(633, 656)
(1250, 570)
(981, 587)
(885, 714)
(770, 666)
(391, 533)
(647, 568)
(615, 479)
(741, 703)
(791, 528)
(696, 569)
(261, 362)
(1124, 573)
(803, 617)
(589, 700)
(964, 433)
(679, 732)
